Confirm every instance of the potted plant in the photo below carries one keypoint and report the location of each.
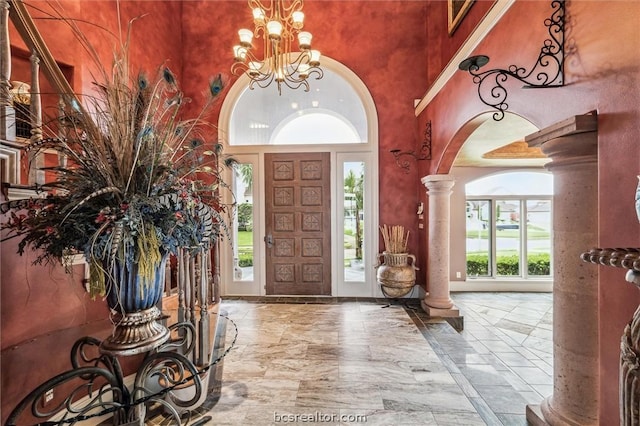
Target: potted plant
(395, 274)
(141, 182)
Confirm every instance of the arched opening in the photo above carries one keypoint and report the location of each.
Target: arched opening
(500, 181)
(328, 133)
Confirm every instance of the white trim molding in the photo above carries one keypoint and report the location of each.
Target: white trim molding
(479, 33)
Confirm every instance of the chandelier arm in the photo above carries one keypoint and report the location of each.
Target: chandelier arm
(263, 82)
(286, 39)
(317, 71)
(296, 84)
(255, 4)
(301, 58)
(292, 6)
(261, 31)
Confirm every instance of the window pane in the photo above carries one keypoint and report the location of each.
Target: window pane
(324, 127)
(243, 223)
(332, 113)
(507, 237)
(353, 221)
(539, 237)
(478, 238)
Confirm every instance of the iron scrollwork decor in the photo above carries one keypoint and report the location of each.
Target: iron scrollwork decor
(548, 70)
(424, 154)
(94, 388)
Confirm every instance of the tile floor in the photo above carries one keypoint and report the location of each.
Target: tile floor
(335, 361)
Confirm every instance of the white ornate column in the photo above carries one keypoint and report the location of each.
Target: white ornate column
(437, 302)
(572, 147)
(36, 161)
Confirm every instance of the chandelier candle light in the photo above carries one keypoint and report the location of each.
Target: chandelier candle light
(278, 23)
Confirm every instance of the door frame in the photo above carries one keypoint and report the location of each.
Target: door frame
(254, 154)
(339, 287)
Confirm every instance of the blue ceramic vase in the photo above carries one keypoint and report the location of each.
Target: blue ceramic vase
(133, 301)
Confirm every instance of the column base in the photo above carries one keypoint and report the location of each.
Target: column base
(438, 302)
(535, 417)
(549, 415)
(450, 315)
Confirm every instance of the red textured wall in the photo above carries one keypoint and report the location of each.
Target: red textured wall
(385, 43)
(381, 41)
(602, 75)
(43, 310)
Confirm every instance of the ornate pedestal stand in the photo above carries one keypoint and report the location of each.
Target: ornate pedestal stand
(626, 258)
(95, 388)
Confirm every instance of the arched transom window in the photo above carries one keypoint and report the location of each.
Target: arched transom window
(330, 113)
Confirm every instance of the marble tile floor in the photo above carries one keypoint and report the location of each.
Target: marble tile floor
(335, 361)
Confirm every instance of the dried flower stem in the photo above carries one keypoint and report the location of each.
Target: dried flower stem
(394, 238)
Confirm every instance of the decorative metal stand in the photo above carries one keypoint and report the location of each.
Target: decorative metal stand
(629, 386)
(95, 386)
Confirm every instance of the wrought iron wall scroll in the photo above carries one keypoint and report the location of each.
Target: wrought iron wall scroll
(424, 153)
(548, 71)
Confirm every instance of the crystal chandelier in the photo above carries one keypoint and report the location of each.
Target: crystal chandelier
(278, 23)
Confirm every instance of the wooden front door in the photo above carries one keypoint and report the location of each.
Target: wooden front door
(298, 224)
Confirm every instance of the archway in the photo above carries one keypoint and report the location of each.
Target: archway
(337, 117)
(482, 148)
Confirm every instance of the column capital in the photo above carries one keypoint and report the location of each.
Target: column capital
(438, 183)
(571, 126)
(570, 142)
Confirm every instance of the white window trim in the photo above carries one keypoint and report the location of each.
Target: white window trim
(367, 152)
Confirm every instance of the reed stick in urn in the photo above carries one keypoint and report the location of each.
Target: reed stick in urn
(395, 239)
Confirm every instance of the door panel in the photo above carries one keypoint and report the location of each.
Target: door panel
(298, 224)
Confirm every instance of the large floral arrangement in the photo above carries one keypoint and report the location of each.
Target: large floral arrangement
(140, 180)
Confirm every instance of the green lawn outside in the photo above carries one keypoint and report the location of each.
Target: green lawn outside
(245, 239)
(245, 248)
(532, 234)
(507, 252)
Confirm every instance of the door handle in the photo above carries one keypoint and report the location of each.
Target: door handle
(269, 240)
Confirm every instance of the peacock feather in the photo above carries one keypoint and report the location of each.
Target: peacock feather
(140, 177)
